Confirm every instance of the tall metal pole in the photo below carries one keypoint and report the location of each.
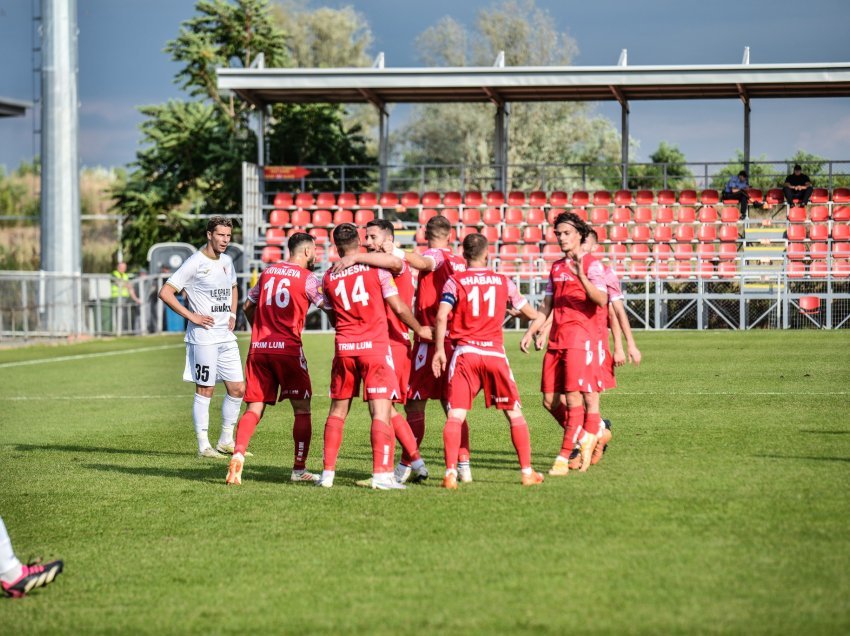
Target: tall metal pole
(60, 184)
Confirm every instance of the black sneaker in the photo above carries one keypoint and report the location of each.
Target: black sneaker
(34, 575)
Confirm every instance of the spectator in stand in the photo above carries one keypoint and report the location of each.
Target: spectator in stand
(797, 186)
(736, 188)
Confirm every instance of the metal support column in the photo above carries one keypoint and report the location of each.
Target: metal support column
(746, 134)
(383, 145)
(624, 142)
(500, 145)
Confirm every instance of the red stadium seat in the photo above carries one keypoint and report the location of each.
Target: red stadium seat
(552, 253)
(532, 234)
(283, 200)
(639, 252)
(622, 215)
(295, 230)
(730, 214)
(685, 215)
(796, 232)
(514, 216)
(662, 251)
(601, 233)
(516, 197)
(300, 218)
(683, 251)
(682, 269)
(537, 198)
(601, 197)
(495, 198)
(727, 269)
(491, 233)
(409, 199)
(818, 269)
(430, 199)
(559, 199)
(818, 251)
(275, 236)
(684, 233)
(362, 217)
(727, 251)
(320, 234)
(553, 214)
(819, 195)
(388, 200)
(619, 234)
(638, 269)
(774, 196)
(663, 234)
(453, 199)
(841, 195)
(840, 232)
(755, 195)
(346, 200)
(641, 234)
(664, 215)
(510, 234)
(819, 213)
(580, 213)
(706, 251)
(819, 232)
(797, 215)
(796, 269)
(709, 197)
(707, 214)
(728, 232)
(345, 216)
(322, 218)
(535, 216)
(549, 235)
(707, 233)
(425, 214)
(580, 199)
(617, 251)
(598, 216)
(666, 197)
(531, 251)
(333, 254)
(841, 268)
(706, 269)
(466, 230)
(643, 215)
(326, 200)
(796, 251)
(305, 200)
(451, 214)
(471, 216)
(841, 213)
(367, 200)
(661, 269)
(644, 197)
(688, 197)
(492, 216)
(271, 254)
(279, 218)
(623, 197)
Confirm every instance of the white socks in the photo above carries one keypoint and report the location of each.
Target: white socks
(201, 420)
(229, 414)
(10, 568)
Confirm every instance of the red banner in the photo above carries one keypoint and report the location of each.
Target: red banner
(284, 173)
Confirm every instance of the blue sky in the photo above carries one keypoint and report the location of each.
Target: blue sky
(122, 66)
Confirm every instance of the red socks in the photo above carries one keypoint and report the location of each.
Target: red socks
(575, 418)
(405, 437)
(592, 422)
(559, 412)
(416, 420)
(463, 453)
(333, 440)
(302, 431)
(383, 447)
(521, 440)
(451, 442)
(244, 430)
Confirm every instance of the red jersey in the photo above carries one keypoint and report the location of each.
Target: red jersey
(404, 284)
(357, 297)
(479, 298)
(282, 295)
(615, 292)
(574, 314)
(430, 284)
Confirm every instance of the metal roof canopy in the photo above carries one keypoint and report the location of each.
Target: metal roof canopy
(502, 85)
(13, 107)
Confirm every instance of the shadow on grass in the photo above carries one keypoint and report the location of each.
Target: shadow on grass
(71, 448)
(806, 458)
(816, 432)
(215, 473)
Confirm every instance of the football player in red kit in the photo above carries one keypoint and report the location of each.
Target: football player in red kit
(477, 299)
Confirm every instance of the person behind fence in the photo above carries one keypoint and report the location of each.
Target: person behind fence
(121, 293)
(797, 187)
(736, 188)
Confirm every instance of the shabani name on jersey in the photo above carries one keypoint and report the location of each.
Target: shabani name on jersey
(209, 287)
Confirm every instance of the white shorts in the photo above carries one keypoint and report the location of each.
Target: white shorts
(208, 364)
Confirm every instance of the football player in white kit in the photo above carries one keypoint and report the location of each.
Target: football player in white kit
(212, 354)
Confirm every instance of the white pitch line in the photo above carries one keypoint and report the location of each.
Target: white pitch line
(83, 356)
(51, 398)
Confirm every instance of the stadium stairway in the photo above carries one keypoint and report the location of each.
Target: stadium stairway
(764, 252)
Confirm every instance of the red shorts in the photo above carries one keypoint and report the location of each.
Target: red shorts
(608, 379)
(567, 370)
(423, 384)
(273, 377)
(376, 373)
(401, 363)
(469, 372)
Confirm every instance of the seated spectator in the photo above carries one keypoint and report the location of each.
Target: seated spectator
(736, 188)
(797, 187)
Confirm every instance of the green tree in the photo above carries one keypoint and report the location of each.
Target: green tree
(760, 175)
(668, 169)
(556, 133)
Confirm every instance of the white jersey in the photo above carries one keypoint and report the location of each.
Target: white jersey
(209, 287)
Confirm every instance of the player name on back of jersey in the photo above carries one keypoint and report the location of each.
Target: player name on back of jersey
(363, 345)
(354, 269)
(283, 269)
(481, 279)
(274, 344)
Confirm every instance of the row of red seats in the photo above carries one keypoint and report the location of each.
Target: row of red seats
(840, 268)
(819, 214)
(819, 232)
(817, 251)
(538, 198)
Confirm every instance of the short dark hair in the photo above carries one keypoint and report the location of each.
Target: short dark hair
(591, 232)
(474, 246)
(437, 227)
(743, 173)
(345, 234)
(797, 166)
(382, 224)
(214, 221)
(571, 218)
(297, 240)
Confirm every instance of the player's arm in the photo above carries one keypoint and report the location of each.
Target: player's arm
(373, 259)
(534, 328)
(419, 262)
(623, 320)
(595, 290)
(168, 295)
(404, 314)
(249, 308)
(617, 336)
(438, 362)
(537, 319)
(234, 305)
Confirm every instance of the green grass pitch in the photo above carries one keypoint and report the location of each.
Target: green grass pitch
(722, 506)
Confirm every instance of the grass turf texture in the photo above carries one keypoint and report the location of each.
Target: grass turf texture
(721, 506)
